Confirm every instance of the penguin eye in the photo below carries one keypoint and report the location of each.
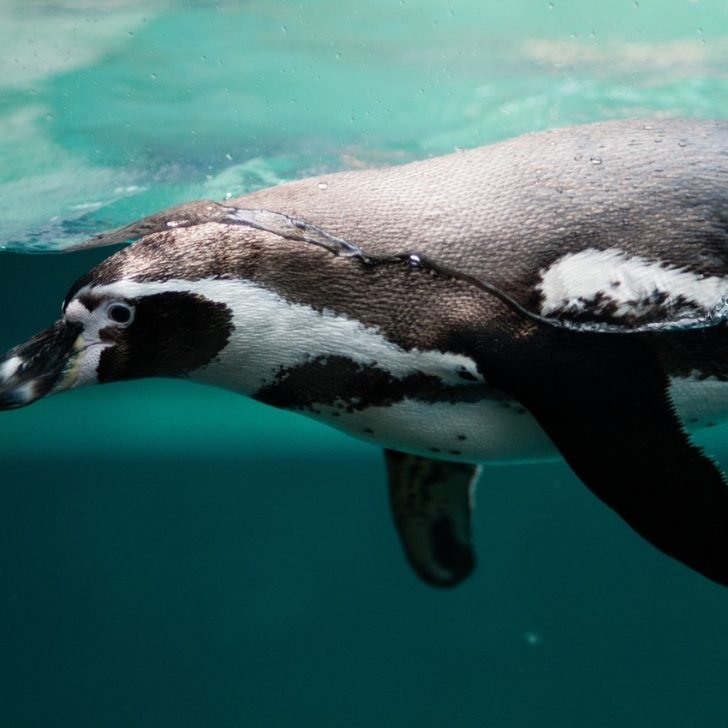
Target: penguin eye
(120, 313)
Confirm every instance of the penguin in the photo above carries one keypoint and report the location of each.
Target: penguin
(560, 294)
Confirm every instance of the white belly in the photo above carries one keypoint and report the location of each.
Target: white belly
(495, 431)
(472, 432)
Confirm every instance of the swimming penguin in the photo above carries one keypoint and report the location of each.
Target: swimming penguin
(565, 292)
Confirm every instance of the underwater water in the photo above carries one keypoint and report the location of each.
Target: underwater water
(175, 555)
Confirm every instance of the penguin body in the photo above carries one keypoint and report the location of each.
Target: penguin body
(561, 293)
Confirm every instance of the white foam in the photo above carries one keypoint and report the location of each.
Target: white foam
(630, 282)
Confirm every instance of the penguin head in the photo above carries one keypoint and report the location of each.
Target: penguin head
(115, 328)
(228, 305)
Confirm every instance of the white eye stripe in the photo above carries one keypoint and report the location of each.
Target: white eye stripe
(75, 311)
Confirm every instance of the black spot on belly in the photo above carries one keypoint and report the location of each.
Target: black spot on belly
(462, 438)
(339, 382)
(368, 430)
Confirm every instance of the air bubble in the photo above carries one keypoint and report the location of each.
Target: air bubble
(719, 312)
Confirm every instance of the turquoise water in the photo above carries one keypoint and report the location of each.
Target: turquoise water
(173, 555)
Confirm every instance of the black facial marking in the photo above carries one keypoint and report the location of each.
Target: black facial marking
(172, 334)
(90, 302)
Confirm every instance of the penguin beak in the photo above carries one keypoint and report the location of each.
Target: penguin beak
(39, 366)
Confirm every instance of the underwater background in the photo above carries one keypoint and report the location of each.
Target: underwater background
(175, 555)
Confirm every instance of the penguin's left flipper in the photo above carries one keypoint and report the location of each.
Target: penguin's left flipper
(432, 502)
(604, 401)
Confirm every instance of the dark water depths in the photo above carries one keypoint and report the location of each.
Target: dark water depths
(173, 555)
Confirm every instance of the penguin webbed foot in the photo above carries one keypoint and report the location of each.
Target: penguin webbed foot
(431, 503)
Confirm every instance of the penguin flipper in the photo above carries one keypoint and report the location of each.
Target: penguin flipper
(605, 402)
(431, 502)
